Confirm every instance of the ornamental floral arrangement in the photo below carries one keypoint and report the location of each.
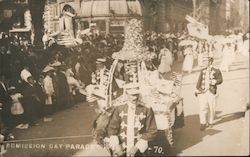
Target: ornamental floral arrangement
(134, 49)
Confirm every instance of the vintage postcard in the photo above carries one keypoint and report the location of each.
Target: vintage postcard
(124, 78)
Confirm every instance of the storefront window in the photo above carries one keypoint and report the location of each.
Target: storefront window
(117, 29)
(101, 25)
(84, 25)
(117, 26)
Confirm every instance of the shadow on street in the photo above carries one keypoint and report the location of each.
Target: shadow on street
(190, 134)
(230, 117)
(69, 132)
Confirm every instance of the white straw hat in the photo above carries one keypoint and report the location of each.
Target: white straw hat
(25, 74)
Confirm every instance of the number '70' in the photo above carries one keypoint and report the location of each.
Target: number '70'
(158, 149)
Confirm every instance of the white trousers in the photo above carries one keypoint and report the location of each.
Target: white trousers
(207, 105)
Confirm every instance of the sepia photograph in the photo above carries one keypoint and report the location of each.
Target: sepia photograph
(124, 78)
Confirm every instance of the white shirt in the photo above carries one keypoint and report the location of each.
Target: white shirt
(207, 76)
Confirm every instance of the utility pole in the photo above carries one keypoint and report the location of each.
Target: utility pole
(194, 8)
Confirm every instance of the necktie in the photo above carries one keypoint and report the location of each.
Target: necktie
(207, 78)
(131, 126)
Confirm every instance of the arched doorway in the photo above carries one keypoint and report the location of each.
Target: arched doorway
(68, 8)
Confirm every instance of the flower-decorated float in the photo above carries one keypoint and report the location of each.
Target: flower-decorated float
(132, 64)
(160, 94)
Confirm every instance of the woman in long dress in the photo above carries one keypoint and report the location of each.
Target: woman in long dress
(226, 57)
(166, 60)
(188, 60)
(218, 49)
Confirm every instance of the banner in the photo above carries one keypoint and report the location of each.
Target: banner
(196, 28)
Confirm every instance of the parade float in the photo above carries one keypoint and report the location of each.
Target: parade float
(160, 94)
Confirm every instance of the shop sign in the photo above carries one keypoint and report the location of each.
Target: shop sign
(117, 23)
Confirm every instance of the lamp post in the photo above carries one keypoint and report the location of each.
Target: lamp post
(107, 22)
(194, 8)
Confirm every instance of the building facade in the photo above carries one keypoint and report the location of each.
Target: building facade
(166, 15)
(221, 16)
(108, 15)
(12, 14)
(229, 15)
(158, 15)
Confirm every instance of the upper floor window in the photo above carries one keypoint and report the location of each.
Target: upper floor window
(21, 1)
(55, 11)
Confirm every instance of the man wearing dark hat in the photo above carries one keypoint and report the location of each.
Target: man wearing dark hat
(206, 90)
(5, 111)
(30, 101)
(132, 125)
(61, 88)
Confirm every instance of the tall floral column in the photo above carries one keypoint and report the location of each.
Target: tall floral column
(157, 93)
(133, 52)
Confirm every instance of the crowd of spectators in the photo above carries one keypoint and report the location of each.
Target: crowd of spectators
(45, 80)
(49, 80)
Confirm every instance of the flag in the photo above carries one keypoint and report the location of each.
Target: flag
(196, 28)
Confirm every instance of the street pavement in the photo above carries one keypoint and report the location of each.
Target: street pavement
(70, 131)
(225, 137)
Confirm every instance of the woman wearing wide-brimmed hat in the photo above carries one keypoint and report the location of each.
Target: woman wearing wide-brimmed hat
(49, 92)
(227, 57)
(188, 60)
(166, 60)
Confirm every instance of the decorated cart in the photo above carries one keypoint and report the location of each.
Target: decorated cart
(132, 64)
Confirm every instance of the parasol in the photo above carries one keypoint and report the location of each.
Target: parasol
(219, 39)
(187, 42)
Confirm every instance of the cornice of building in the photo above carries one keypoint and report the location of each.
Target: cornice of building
(181, 6)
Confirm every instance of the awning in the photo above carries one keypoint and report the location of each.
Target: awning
(19, 30)
(10, 5)
(108, 8)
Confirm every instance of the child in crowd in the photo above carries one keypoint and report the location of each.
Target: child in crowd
(49, 93)
(17, 107)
